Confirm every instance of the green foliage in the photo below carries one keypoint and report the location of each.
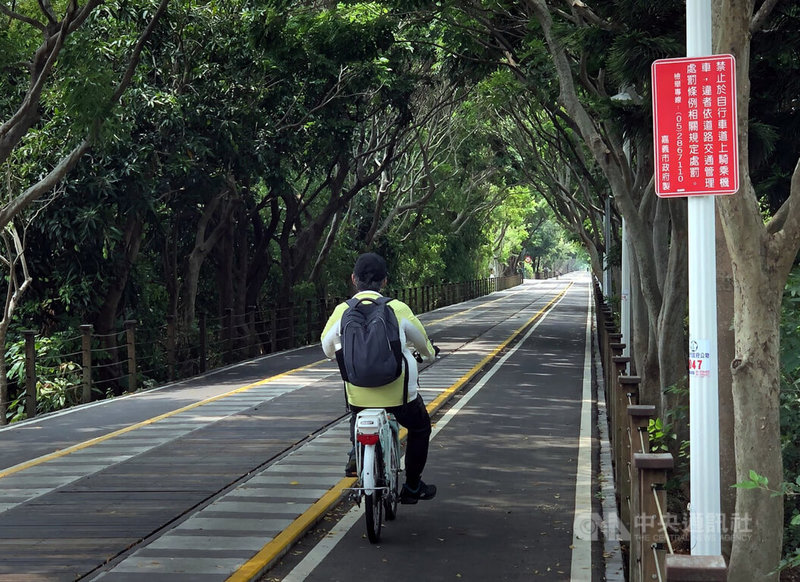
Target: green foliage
(789, 491)
(663, 439)
(660, 435)
(58, 380)
(755, 481)
(274, 98)
(774, 131)
(790, 401)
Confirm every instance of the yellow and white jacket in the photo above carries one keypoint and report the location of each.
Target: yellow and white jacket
(412, 336)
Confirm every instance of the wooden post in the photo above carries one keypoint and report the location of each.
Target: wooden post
(227, 334)
(238, 343)
(308, 322)
(604, 330)
(322, 316)
(86, 351)
(624, 388)
(290, 323)
(616, 368)
(638, 417)
(686, 568)
(619, 425)
(620, 362)
(130, 339)
(30, 372)
(203, 342)
(612, 337)
(612, 349)
(603, 312)
(255, 348)
(171, 348)
(273, 331)
(650, 535)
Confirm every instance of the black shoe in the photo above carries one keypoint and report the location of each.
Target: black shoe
(351, 469)
(410, 496)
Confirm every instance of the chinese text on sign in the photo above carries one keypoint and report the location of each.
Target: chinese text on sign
(694, 126)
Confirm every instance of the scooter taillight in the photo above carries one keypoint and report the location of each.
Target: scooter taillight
(368, 439)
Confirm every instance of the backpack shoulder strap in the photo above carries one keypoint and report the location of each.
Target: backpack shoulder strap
(351, 304)
(405, 380)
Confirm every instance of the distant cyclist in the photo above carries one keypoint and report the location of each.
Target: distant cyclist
(369, 277)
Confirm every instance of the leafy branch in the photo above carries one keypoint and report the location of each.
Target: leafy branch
(784, 489)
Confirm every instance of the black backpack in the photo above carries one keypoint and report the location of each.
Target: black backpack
(371, 354)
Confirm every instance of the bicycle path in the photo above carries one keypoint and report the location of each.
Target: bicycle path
(201, 479)
(513, 464)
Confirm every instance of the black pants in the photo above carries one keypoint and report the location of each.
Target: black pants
(414, 417)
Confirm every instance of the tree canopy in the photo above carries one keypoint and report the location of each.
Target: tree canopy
(170, 158)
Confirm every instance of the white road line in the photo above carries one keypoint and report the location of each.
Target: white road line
(318, 553)
(324, 546)
(583, 525)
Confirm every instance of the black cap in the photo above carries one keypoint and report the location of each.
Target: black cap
(370, 268)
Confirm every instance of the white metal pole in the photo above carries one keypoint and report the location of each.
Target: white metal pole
(625, 284)
(625, 296)
(607, 237)
(705, 516)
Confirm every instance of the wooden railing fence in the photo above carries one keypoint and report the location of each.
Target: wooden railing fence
(640, 475)
(98, 365)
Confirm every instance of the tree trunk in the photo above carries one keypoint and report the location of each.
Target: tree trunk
(672, 342)
(725, 349)
(107, 314)
(169, 261)
(639, 321)
(761, 257)
(41, 66)
(611, 159)
(16, 264)
(3, 392)
(206, 238)
(758, 537)
(324, 253)
(3, 383)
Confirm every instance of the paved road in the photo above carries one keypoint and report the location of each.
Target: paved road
(505, 463)
(215, 478)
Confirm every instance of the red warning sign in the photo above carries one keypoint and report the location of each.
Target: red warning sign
(694, 126)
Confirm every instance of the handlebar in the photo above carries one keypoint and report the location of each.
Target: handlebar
(418, 357)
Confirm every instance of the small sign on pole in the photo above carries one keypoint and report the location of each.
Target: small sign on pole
(694, 126)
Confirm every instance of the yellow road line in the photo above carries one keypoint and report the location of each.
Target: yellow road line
(100, 439)
(105, 437)
(261, 562)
